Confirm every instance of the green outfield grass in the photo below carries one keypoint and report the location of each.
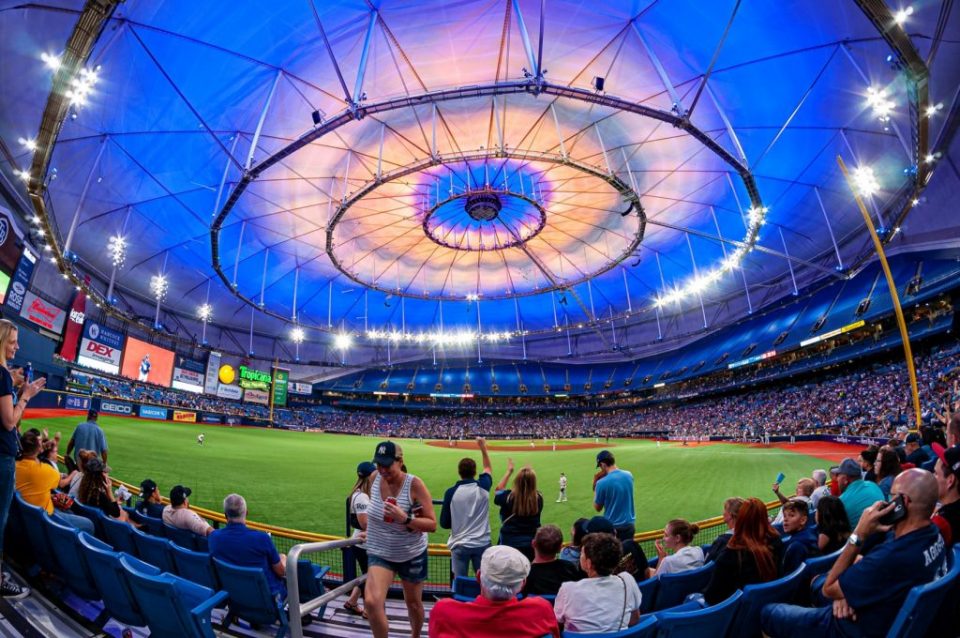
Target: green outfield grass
(301, 480)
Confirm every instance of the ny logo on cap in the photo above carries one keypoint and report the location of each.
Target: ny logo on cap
(382, 449)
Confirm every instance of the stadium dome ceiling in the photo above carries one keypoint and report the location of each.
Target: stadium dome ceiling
(424, 172)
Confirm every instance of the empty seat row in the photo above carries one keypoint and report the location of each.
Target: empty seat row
(143, 580)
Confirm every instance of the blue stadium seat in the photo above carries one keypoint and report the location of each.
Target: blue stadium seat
(111, 578)
(182, 537)
(153, 550)
(747, 620)
(194, 566)
(173, 607)
(710, 622)
(465, 589)
(310, 579)
(250, 598)
(71, 561)
(34, 521)
(119, 535)
(646, 628)
(648, 594)
(920, 608)
(819, 565)
(674, 588)
(153, 526)
(95, 515)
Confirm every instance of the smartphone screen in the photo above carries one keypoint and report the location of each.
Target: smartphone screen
(896, 514)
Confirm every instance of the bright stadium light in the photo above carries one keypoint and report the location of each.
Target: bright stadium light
(297, 335)
(158, 286)
(28, 142)
(205, 312)
(878, 100)
(865, 181)
(901, 16)
(23, 174)
(51, 61)
(81, 86)
(117, 249)
(342, 341)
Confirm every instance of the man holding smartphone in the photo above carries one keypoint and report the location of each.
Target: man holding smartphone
(867, 594)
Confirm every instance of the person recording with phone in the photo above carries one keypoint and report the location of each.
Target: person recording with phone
(867, 594)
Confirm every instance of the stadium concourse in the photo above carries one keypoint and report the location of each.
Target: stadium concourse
(509, 223)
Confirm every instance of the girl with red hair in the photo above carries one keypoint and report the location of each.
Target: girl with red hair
(753, 554)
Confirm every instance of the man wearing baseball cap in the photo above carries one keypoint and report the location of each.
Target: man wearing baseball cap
(150, 503)
(855, 493)
(496, 612)
(613, 495)
(178, 513)
(947, 473)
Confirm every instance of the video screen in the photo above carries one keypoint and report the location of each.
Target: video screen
(147, 363)
(4, 284)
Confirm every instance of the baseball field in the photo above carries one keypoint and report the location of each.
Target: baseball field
(300, 480)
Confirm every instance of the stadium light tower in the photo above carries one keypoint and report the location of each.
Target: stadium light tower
(204, 313)
(342, 342)
(297, 335)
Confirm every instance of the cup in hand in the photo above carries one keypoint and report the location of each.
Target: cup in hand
(393, 501)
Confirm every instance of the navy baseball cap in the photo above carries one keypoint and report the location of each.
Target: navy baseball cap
(365, 469)
(179, 494)
(598, 525)
(147, 487)
(386, 453)
(604, 457)
(849, 467)
(913, 437)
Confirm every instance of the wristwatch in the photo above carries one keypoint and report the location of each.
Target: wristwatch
(855, 540)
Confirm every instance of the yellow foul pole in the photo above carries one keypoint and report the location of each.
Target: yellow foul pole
(878, 245)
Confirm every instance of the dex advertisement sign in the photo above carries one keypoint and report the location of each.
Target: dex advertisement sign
(100, 348)
(21, 280)
(42, 313)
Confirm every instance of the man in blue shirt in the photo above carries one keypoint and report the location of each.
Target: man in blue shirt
(466, 513)
(867, 595)
(240, 545)
(613, 495)
(88, 436)
(855, 493)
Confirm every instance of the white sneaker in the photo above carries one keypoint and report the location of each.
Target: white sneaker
(9, 590)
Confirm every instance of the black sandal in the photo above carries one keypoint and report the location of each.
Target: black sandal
(353, 608)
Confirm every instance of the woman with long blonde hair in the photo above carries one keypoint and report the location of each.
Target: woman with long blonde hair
(520, 509)
(11, 411)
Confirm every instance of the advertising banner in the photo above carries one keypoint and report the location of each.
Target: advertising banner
(146, 362)
(188, 375)
(213, 366)
(9, 233)
(206, 417)
(153, 412)
(21, 280)
(225, 391)
(254, 379)
(183, 416)
(100, 348)
(232, 420)
(71, 337)
(109, 406)
(296, 387)
(44, 314)
(280, 379)
(75, 402)
(252, 395)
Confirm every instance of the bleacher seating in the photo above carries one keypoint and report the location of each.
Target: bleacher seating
(746, 622)
(674, 588)
(249, 596)
(709, 622)
(172, 606)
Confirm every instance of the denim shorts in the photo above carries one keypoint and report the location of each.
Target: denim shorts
(410, 571)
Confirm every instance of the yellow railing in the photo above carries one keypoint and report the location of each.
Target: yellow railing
(434, 549)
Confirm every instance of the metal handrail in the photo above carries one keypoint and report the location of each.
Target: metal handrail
(295, 609)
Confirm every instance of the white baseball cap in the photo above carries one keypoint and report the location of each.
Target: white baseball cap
(505, 565)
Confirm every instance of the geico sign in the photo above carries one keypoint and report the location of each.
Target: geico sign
(99, 349)
(118, 408)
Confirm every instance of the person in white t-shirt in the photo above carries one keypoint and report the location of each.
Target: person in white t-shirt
(604, 601)
(563, 488)
(358, 502)
(677, 536)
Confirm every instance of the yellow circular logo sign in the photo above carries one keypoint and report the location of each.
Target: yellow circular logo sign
(227, 375)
